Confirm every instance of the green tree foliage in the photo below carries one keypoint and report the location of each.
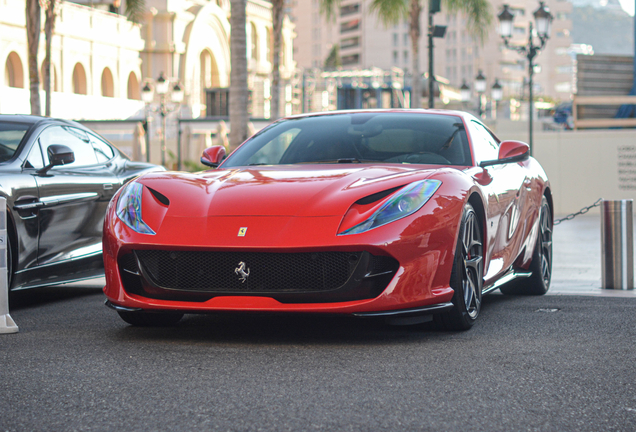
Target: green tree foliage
(333, 59)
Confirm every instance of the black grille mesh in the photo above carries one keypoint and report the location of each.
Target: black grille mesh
(382, 264)
(204, 271)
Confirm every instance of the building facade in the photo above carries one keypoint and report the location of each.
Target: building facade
(101, 60)
(459, 58)
(365, 43)
(95, 68)
(189, 42)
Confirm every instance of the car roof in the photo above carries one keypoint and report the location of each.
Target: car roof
(32, 119)
(462, 114)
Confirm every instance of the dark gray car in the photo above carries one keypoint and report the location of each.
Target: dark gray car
(58, 178)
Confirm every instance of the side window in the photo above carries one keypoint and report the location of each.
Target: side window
(485, 146)
(103, 151)
(272, 152)
(76, 139)
(34, 160)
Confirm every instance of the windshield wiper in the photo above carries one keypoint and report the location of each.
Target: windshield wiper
(342, 160)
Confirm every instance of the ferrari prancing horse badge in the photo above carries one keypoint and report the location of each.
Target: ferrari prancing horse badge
(242, 232)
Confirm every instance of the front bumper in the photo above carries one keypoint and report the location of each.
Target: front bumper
(422, 245)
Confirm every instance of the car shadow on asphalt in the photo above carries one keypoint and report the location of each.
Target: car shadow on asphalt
(34, 297)
(255, 328)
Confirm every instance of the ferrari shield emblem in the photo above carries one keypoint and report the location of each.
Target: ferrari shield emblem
(242, 231)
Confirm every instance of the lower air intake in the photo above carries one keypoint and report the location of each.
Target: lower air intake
(242, 272)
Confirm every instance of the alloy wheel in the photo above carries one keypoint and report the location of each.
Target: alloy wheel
(472, 254)
(545, 233)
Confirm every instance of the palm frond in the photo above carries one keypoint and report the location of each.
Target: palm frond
(135, 10)
(391, 12)
(478, 13)
(329, 8)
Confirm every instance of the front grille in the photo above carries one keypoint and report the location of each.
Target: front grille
(216, 272)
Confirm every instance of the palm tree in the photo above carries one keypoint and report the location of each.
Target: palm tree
(277, 30)
(238, 74)
(391, 12)
(51, 9)
(33, 27)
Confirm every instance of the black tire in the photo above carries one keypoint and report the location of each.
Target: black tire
(150, 319)
(467, 276)
(541, 265)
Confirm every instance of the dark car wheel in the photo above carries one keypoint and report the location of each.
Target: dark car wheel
(467, 275)
(541, 265)
(150, 319)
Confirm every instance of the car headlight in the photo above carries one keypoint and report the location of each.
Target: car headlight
(129, 208)
(402, 203)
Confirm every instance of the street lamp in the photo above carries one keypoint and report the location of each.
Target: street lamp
(480, 88)
(464, 93)
(162, 88)
(496, 93)
(543, 19)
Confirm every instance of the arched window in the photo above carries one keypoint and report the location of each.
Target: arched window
(13, 71)
(209, 73)
(133, 87)
(283, 53)
(79, 79)
(270, 45)
(253, 42)
(108, 88)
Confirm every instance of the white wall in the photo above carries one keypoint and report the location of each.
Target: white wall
(582, 165)
(71, 106)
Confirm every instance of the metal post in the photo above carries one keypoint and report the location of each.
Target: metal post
(146, 125)
(480, 106)
(431, 77)
(7, 325)
(617, 243)
(178, 144)
(531, 54)
(163, 135)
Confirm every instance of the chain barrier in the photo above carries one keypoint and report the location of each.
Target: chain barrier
(580, 212)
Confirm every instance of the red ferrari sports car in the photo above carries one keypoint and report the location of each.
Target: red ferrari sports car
(411, 215)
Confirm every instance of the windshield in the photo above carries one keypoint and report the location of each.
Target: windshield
(400, 138)
(11, 135)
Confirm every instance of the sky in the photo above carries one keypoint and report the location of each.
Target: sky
(628, 5)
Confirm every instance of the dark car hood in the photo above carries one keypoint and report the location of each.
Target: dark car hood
(278, 191)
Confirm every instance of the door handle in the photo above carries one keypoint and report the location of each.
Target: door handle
(108, 186)
(29, 206)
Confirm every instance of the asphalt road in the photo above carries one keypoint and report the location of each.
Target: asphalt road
(552, 363)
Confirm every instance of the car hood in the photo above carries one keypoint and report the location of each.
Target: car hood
(278, 191)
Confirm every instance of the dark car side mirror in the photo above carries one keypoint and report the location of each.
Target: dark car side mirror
(58, 155)
(509, 151)
(213, 156)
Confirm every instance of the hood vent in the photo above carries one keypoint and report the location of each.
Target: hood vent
(377, 196)
(159, 196)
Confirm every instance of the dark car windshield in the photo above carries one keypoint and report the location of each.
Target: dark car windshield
(401, 138)
(11, 135)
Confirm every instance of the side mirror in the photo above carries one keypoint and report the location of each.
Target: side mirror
(510, 151)
(213, 156)
(58, 155)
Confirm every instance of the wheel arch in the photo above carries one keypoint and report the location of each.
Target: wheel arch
(476, 201)
(548, 195)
